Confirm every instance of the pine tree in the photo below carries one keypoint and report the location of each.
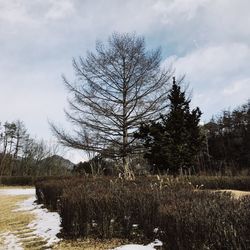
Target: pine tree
(174, 141)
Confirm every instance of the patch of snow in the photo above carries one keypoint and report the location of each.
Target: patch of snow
(156, 243)
(46, 224)
(10, 242)
(17, 191)
(28, 205)
(134, 247)
(150, 246)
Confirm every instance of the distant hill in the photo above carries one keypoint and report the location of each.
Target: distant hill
(60, 162)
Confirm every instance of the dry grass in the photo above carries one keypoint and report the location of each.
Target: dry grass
(90, 244)
(236, 193)
(16, 222)
(9, 220)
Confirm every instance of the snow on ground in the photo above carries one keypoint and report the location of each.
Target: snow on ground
(10, 242)
(150, 246)
(46, 225)
(18, 191)
(134, 247)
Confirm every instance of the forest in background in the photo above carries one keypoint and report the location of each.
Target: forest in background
(21, 155)
(224, 150)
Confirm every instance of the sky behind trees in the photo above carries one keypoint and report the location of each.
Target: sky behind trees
(207, 40)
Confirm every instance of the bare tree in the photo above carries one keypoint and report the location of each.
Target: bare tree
(116, 88)
(34, 154)
(20, 136)
(7, 136)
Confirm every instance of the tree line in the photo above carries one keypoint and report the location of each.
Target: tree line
(22, 155)
(227, 138)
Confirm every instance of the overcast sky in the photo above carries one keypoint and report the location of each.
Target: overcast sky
(207, 40)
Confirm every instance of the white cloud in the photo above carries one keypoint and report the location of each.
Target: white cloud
(219, 75)
(12, 12)
(212, 62)
(60, 9)
(239, 88)
(175, 10)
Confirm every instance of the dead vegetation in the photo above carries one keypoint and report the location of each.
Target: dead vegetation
(147, 208)
(218, 215)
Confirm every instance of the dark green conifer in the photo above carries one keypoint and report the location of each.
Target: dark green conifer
(173, 142)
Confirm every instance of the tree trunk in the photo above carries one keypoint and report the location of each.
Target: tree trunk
(128, 174)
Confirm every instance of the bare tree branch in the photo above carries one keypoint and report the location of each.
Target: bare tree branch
(116, 88)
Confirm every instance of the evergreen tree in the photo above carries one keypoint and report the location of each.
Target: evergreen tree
(174, 140)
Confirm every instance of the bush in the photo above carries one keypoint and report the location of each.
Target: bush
(147, 208)
(108, 209)
(17, 180)
(203, 220)
(26, 180)
(50, 189)
(220, 182)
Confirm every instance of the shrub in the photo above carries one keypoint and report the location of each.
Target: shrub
(26, 180)
(201, 220)
(17, 180)
(50, 189)
(106, 208)
(141, 210)
(220, 182)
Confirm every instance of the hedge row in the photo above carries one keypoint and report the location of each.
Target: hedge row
(26, 180)
(220, 182)
(17, 180)
(205, 182)
(148, 208)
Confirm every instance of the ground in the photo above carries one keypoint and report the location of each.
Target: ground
(27, 226)
(236, 193)
(89, 244)
(14, 225)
